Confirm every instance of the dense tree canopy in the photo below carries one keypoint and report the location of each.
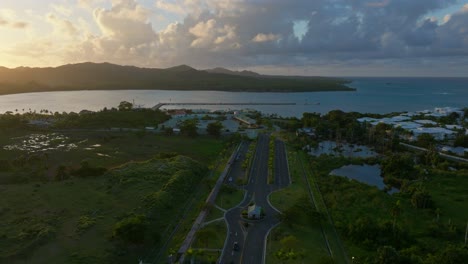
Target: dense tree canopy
(189, 128)
(214, 129)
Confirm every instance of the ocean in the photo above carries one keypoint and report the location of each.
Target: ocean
(373, 95)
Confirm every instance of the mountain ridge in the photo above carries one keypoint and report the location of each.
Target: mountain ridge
(107, 76)
(227, 71)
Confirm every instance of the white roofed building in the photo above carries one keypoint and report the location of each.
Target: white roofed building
(438, 133)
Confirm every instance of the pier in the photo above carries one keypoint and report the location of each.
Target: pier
(159, 105)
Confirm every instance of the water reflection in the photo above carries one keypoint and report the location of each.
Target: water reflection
(369, 174)
(346, 150)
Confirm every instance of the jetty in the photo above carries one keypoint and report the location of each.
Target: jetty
(159, 105)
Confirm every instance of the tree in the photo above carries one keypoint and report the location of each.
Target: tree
(189, 127)
(168, 131)
(125, 106)
(421, 199)
(399, 167)
(426, 140)
(387, 255)
(214, 128)
(131, 229)
(451, 255)
(461, 140)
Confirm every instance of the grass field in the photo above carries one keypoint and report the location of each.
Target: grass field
(104, 149)
(214, 213)
(310, 239)
(72, 221)
(211, 236)
(229, 197)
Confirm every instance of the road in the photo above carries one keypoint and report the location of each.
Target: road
(252, 238)
(443, 155)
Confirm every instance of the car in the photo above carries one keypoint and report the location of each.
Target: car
(236, 246)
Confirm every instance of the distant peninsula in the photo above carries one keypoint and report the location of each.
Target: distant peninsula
(106, 76)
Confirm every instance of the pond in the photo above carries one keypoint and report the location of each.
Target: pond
(369, 174)
(346, 150)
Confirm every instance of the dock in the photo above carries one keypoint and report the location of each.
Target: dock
(159, 105)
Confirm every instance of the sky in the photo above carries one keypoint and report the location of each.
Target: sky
(288, 37)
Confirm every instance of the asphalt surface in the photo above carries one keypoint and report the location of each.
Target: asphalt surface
(236, 168)
(252, 238)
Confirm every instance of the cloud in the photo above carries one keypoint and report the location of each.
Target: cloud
(89, 4)
(228, 32)
(210, 35)
(3, 22)
(20, 24)
(126, 21)
(176, 8)
(265, 37)
(63, 10)
(126, 36)
(62, 26)
(13, 24)
(378, 4)
(8, 18)
(240, 33)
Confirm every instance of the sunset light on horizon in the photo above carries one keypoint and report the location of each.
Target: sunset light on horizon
(328, 38)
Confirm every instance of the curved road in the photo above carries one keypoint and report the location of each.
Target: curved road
(252, 238)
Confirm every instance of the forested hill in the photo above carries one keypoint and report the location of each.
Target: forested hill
(105, 76)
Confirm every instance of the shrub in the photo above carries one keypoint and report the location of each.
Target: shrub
(131, 229)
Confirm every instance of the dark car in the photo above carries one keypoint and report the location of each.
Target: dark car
(236, 246)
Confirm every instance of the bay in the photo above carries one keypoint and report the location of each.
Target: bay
(373, 95)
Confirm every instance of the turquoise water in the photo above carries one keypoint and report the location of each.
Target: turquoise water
(375, 95)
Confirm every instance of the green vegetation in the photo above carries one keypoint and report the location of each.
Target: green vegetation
(247, 163)
(300, 222)
(213, 214)
(106, 76)
(138, 118)
(131, 229)
(214, 129)
(94, 150)
(271, 161)
(198, 204)
(189, 127)
(124, 117)
(409, 224)
(229, 197)
(79, 196)
(100, 216)
(201, 255)
(211, 236)
(424, 223)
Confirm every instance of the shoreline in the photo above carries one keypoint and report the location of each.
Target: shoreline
(280, 91)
